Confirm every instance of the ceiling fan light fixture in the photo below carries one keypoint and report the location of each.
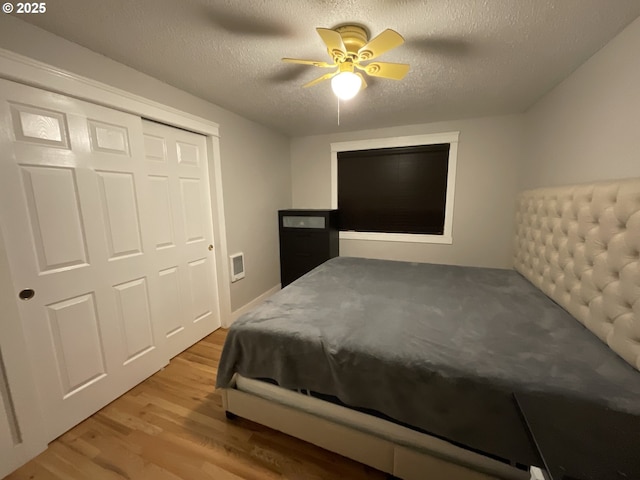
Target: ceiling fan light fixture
(346, 85)
(349, 45)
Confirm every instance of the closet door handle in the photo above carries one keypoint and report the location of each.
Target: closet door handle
(26, 294)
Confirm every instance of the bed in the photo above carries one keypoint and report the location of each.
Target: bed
(412, 367)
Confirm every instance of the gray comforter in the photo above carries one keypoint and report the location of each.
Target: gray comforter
(441, 348)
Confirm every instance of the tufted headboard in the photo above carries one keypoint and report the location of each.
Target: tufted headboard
(581, 246)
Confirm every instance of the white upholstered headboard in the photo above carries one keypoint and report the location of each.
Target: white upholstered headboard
(581, 246)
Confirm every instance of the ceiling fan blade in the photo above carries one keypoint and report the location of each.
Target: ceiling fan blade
(314, 63)
(395, 71)
(364, 82)
(384, 42)
(324, 77)
(333, 41)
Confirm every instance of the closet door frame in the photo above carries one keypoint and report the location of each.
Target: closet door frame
(18, 369)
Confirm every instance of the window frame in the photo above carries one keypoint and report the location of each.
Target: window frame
(409, 141)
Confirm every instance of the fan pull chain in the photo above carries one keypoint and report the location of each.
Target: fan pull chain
(338, 112)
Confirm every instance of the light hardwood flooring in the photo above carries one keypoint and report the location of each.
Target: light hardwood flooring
(172, 426)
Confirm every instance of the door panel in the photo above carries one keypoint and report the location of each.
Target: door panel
(120, 209)
(38, 125)
(163, 225)
(192, 209)
(178, 174)
(108, 138)
(200, 288)
(188, 154)
(54, 216)
(75, 202)
(170, 302)
(78, 349)
(135, 317)
(155, 148)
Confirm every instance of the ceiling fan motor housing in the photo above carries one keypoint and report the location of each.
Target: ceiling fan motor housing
(354, 38)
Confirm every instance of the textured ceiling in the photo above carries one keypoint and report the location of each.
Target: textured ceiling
(468, 57)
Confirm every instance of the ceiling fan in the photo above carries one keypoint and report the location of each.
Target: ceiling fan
(349, 47)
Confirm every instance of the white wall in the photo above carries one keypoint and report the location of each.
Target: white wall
(255, 160)
(588, 127)
(489, 152)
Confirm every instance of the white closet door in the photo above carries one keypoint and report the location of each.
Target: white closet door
(78, 220)
(187, 305)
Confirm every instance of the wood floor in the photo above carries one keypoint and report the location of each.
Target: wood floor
(172, 426)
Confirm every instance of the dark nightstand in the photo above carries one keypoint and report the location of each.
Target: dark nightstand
(579, 440)
(308, 238)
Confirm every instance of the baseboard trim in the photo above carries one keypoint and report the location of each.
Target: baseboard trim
(253, 303)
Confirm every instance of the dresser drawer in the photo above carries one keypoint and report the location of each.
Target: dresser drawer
(301, 221)
(304, 241)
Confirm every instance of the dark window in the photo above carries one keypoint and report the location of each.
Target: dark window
(394, 190)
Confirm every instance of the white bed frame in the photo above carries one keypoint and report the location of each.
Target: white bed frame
(381, 444)
(579, 244)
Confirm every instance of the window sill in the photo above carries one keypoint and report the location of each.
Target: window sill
(397, 237)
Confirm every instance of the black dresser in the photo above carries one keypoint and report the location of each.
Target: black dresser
(307, 239)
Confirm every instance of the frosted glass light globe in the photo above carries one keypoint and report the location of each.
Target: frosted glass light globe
(346, 85)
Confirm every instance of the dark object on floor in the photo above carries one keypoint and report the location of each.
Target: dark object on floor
(581, 440)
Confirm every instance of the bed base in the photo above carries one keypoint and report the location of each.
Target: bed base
(432, 457)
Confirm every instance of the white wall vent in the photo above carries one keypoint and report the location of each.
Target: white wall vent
(236, 263)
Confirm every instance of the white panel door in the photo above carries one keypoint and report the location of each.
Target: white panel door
(187, 305)
(76, 210)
